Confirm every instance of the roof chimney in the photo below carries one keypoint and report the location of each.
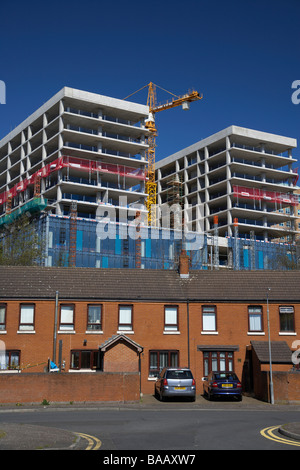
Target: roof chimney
(184, 263)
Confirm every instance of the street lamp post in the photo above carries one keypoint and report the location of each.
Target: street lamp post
(270, 355)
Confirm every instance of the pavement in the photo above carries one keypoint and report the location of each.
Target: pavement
(32, 437)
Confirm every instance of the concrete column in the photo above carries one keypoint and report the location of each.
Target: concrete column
(45, 120)
(29, 132)
(44, 153)
(98, 197)
(60, 141)
(61, 107)
(60, 124)
(23, 138)
(228, 144)
(229, 223)
(58, 209)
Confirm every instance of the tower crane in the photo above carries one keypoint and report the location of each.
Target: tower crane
(154, 108)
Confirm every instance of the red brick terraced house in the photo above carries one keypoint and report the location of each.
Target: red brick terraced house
(114, 320)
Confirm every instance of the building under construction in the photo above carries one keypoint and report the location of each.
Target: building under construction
(74, 241)
(237, 173)
(78, 167)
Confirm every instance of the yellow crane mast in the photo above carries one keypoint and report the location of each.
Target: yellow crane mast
(183, 100)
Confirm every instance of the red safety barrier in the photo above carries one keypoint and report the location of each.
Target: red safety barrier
(262, 195)
(75, 164)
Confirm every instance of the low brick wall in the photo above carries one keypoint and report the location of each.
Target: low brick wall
(286, 386)
(69, 387)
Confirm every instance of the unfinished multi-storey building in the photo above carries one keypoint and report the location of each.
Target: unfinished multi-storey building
(236, 176)
(81, 152)
(78, 146)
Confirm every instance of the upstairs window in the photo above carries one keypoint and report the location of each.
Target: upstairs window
(66, 318)
(286, 316)
(125, 317)
(209, 321)
(26, 317)
(2, 316)
(94, 321)
(171, 318)
(255, 318)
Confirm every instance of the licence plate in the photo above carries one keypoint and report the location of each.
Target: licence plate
(226, 385)
(179, 388)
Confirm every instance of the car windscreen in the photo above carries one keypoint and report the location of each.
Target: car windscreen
(225, 376)
(179, 374)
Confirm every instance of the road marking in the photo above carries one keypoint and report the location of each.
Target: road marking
(94, 442)
(268, 433)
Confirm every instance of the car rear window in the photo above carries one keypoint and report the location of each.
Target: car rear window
(224, 376)
(179, 374)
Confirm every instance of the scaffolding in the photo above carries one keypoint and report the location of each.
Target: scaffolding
(138, 244)
(174, 199)
(75, 241)
(73, 234)
(216, 243)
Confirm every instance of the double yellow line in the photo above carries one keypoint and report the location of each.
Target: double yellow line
(268, 433)
(93, 442)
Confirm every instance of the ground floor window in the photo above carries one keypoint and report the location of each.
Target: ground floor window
(217, 360)
(86, 359)
(9, 360)
(160, 359)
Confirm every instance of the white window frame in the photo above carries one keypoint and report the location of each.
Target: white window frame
(209, 318)
(66, 317)
(171, 318)
(27, 317)
(125, 318)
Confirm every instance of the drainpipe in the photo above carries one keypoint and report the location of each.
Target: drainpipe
(140, 373)
(188, 330)
(55, 327)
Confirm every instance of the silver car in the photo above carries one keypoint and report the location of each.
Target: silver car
(175, 382)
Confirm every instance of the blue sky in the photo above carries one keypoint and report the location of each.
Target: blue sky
(243, 56)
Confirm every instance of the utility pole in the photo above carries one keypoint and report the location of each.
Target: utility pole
(270, 354)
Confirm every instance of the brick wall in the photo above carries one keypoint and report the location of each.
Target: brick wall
(62, 387)
(121, 357)
(148, 331)
(286, 386)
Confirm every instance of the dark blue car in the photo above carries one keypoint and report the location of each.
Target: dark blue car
(222, 384)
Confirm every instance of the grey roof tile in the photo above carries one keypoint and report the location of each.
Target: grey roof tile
(153, 285)
(280, 351)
